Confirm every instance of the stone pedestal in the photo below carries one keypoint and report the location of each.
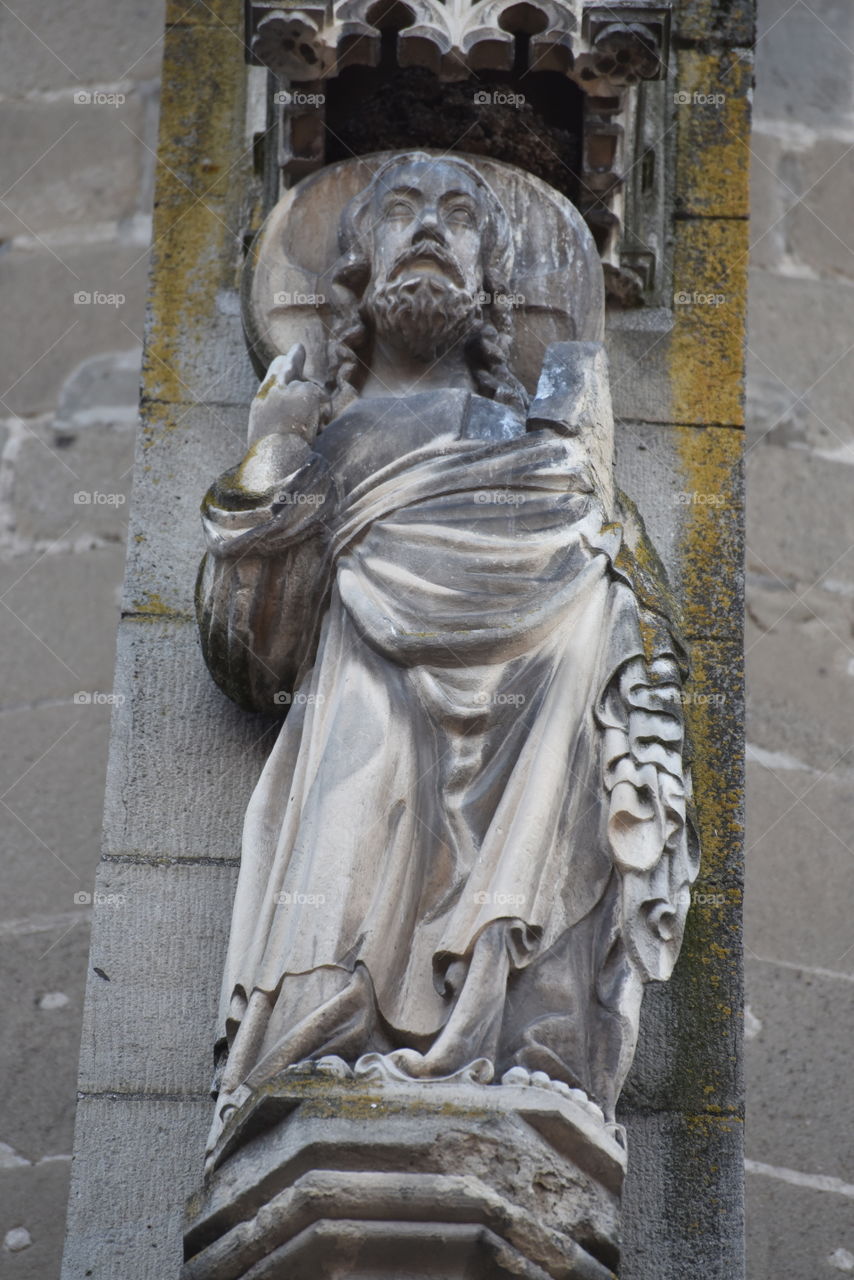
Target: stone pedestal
(356, 1180)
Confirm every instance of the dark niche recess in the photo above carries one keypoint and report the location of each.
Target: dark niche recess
(532, 120)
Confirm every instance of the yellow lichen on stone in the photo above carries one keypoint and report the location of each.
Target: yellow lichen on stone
(710, 519)
(152, 606)
(707, 345)
(712, 134)
(202, 166)
(206, 13)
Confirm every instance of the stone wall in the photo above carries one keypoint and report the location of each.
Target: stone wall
(183, 761)
(800, 652)
(78, 116)
(76, 221)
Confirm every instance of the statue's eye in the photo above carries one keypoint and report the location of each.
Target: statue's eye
(398, 209)
(460, 215)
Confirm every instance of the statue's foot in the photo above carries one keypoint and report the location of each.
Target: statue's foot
(405, 1065)
(539, 1080)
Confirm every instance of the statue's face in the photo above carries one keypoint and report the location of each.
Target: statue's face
(427, 222)
(427, 256)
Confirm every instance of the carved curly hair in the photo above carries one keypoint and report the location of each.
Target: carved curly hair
(487, 347)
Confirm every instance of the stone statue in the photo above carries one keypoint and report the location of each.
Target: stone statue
(469, 849)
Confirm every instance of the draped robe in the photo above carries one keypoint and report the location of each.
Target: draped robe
(471, 831)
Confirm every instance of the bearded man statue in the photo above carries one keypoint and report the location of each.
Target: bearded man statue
(471, 845)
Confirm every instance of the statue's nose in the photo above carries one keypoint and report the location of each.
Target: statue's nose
(428, 228)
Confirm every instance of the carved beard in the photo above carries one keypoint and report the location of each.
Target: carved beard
(426, 313)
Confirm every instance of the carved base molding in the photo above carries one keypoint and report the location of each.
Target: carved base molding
(353, 1181)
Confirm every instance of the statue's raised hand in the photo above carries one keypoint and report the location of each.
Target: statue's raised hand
(287, 403)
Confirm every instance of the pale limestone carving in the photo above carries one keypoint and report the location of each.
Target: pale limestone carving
(450, 37)
(612, 44)
(469, 849)
(452, 1181)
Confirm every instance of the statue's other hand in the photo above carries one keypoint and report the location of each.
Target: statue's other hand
(286, 402)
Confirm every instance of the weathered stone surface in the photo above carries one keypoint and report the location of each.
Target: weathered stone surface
(638, 344)
(65, 159)
(778, 415)
(49, 645)
(726, 22)
(689, 1044)
(684, 1180)
(685, 365)
(201, 146)
(799, 551)
(793, 1232)
(687, 483)
(799, 659)
(42, 956)
(715, 715)
(121, 1224)
(52, 766)
(73, 477)
(769, 200)
(783, 310)
(155, 967)
(97, 173)
(184, 759)
(799, 1100)
(179, 452)
(195, 349)
(60, 333)
(507, 1179)
(710, 300)
(804, 61)
(817, 226)
(101, 391)
(799, 851)
(30, 1198)
(183, 364)
(204, 13)
(713, 136)
(86, 43)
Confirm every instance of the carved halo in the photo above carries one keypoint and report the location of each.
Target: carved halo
(288, 297)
